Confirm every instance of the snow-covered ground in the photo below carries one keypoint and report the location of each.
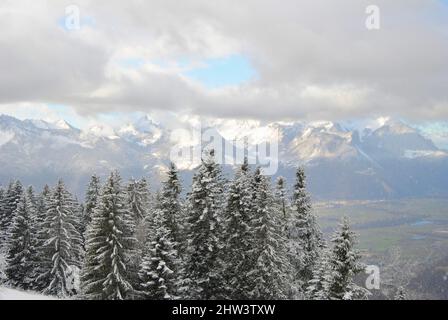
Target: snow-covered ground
(11, 294)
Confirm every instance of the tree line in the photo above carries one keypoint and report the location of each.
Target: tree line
(237, 239)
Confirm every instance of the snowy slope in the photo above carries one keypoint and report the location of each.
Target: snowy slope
(12, 294)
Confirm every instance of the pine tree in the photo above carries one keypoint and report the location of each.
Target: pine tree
(91, 201)
(43, 200)
(238, 237)
(110, 245)
(2, 250)
(2, 200)
(10, 201)
(81, 225)
(160, 266)
(344, 265)
(203, 276)
(318, 286)
(5, 217)
(280, 196)
(170, 204)
(305, 238)
(138, 199)
(21, 247)
(78, 223)
(284, 208)
(42, 258)
(31, 196)
(62, 245)
(270, 272)
(35, 224)
(2, 194)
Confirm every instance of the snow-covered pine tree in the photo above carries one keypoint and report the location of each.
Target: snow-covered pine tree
(138, 198)
(2, 194)
(284, 209)
(35, 223)
(280, 196)
(43, 200)
(5, 216)
(62, 245)
(110, 245)
(91, 201)
(31, 196)
(141, 206)
(238, 237)
(271, 268)
(78, 223)
(400, 294)
(81, 226)
(2, 250)
(318, 286)
(42, 261)
(167, 207)
(170, 204)
(159, 271)
(284, 206)
(20, 262)
(344, 265)
(305, 238)
(2, 199)
(139, 202)
(8, 206)
(10, 201)
(203, 276)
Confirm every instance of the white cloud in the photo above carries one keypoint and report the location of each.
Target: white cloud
(39, 111)
(314, 59)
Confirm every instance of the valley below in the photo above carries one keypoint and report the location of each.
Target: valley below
(407, 239)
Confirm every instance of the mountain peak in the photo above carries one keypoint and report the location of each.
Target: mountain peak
(61, 124)
(100, 131)
(393, 126)
(8, 119)
(50, 125)
(334, 154)
(145, 124)
(144, 131)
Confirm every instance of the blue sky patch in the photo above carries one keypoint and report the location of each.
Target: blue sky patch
(132, 63)
(222, 72)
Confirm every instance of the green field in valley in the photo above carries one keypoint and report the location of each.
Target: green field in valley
(416, 226)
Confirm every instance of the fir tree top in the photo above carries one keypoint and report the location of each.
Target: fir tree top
(345, 264)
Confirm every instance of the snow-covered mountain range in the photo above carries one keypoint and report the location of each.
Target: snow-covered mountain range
(386, 159)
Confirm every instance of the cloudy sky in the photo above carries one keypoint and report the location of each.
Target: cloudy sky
(251, 59)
